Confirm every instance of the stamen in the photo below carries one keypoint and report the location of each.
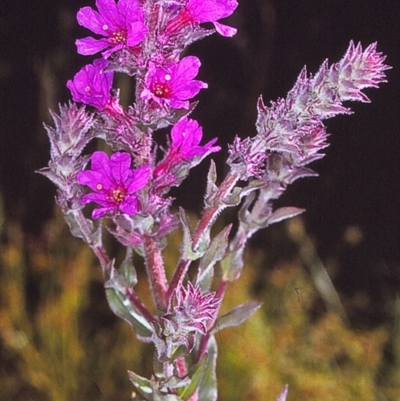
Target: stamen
(119, 36)
(161, 89)
(118, 195)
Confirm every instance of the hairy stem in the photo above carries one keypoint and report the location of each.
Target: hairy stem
(156, 272)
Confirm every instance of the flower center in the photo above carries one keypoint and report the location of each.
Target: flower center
(161, 89)
(118, 195)
(118, 36)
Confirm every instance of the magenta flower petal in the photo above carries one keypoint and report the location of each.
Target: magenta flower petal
(109, 11)
(130, 206)
(139, 179)
(130, 10)
(89, 46)
(212, 11)
(225, 30)
(120, 164)
(91, 19)
(92, 85)
(92, 179)
(136, 33)
(206, 10)
(97, 213)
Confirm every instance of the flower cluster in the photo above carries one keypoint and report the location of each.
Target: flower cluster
(189, 312)
(130, 180)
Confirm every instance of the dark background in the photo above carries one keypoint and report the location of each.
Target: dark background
(359, 178)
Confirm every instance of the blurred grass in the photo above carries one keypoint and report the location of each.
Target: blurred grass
(60, 342)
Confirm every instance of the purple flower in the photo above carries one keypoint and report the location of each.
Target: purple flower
(199, 11)
(114, 183)
(173, 84)
(186, 136)
(92, 85)
(121, 23)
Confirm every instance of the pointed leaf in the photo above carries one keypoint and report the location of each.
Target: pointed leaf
(283, 394)
(52, 176)
(211, 186)
(208, 383)
(284, 213)
(231, 266)
(196, 375)
(123, 308)
(127, 270)
(142, 385)
(74, 227)
(214, 253)
(187, 251)
(234, 198)
(236, 316)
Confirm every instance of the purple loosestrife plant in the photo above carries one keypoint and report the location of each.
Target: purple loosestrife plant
(130, 185)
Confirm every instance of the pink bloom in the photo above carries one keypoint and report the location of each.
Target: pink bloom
(114, 183)
(186, 136)
(173, 84)
(92, 85)
(199, 11)
(120, 23)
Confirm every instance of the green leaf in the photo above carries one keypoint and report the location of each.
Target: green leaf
(127, 270)
(236, 316)
(284, 213)
(123, 308)
(208, 384)
(187, 251)
(214, 253)
(142, 385)
(211, 186)
(195, 375)
(231, 266)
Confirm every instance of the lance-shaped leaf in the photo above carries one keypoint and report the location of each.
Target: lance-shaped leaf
(231, 266)
(116, 289)
(121, 306)
(284, 213)
(195, 374)
(283, 394)
(234, 198)
(214, 253)
(211, 188)
(75, 226)
(142, 385)
(236, 316)
(127, 270)
(208, 384)
(187, 251)
(238, 193)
